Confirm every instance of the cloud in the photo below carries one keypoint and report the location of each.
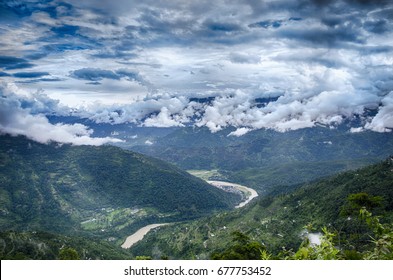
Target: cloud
(93, 74)
(17, 119)
(323, 60)
(244, 58)
(333, 101)
(131, 75)
(356, 129)
(267, 24)
(331, 38)
(163, 119)
(35, 102)
(239, 132)
(383, 121)
(155, 110)
(226, 27)
(377, 26)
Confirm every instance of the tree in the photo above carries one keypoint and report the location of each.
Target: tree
(242, 248)
(324, 251)
(68, 254)
(383, 239)
(357, 201)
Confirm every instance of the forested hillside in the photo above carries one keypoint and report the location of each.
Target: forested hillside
(100, 191)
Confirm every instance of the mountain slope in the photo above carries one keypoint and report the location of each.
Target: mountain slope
(279, 221)
(102, 190)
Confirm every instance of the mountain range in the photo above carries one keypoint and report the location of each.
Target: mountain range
(104, 191)
(93, 197)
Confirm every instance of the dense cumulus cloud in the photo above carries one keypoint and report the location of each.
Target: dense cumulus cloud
(22, 113)
(148, 62)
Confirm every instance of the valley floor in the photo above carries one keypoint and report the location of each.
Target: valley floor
(248, 193)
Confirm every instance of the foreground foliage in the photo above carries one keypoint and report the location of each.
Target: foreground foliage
(380, 246)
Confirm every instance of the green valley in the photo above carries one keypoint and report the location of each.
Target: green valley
(283, 220)
(98, 192)
(86, 199)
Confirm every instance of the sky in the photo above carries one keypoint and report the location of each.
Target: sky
(279, 65)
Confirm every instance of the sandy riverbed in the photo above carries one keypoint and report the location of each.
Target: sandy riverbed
(137, 236)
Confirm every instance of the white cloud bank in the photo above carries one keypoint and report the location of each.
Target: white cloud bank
(290, 111)
(17, 120)
(307, 95)
(383, 121)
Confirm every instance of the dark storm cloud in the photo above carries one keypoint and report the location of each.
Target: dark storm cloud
(330, 38)
(161, 24)
(377, 26)
(341, 23)
(371, 3)
(158, 28)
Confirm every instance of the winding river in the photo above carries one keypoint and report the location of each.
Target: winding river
(244, 189)
(138, 235)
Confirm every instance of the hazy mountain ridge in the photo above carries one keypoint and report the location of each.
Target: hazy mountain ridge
(264, 159)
